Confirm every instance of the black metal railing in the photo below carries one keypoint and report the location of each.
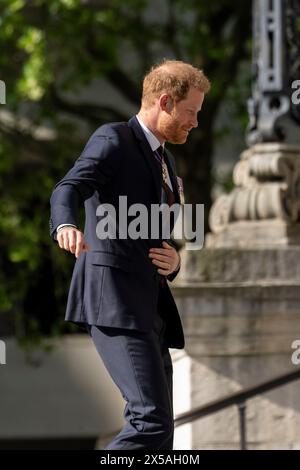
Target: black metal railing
(239, 399)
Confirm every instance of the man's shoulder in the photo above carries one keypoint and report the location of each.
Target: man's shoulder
(113, 129)
(110, 136)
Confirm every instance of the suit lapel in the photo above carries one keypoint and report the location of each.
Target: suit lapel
(151, 162)
(172, 174)
(148, 155)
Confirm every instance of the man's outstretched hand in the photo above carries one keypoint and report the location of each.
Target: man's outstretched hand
(166, 258)
(71, 239)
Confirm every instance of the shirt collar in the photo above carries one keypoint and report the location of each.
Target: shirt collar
(151, 138)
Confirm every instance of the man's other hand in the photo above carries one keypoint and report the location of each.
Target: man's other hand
(166, 258)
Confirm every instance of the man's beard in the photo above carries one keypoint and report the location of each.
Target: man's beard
(173, 131)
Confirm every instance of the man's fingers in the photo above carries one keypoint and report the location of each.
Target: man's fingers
(60, 240)
(65, 241)
(79, 244)
(162, 264)
(167, 246)
(161, 257)
(163, 272)
(165, 258)
(71, 239)
(167, 251)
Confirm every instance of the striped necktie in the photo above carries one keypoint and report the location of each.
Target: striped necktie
(168, 195)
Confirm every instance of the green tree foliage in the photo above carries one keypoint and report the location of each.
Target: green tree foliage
(51, 50)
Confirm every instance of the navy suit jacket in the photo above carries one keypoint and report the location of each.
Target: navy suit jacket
(116, 284)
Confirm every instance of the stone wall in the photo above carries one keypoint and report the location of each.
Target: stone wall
(241, 312)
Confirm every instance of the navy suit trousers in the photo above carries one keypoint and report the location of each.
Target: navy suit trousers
(140, 365)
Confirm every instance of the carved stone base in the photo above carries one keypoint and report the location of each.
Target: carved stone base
(264, 207)
(261, 234)
(256, 266)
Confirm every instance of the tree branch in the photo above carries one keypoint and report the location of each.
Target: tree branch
(115, 75)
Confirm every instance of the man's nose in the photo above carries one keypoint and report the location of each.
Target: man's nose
(195, 122)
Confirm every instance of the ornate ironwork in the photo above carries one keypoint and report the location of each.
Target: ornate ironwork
(273, 117)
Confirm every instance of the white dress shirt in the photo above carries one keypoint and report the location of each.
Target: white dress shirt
(154, 144)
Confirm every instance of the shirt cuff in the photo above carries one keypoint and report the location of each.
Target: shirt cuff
(61, 226)
(64, 225)
(178, 265)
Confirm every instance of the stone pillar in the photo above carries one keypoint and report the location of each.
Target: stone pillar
(239, 297)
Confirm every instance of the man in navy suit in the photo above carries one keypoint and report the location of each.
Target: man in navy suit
(119, 289)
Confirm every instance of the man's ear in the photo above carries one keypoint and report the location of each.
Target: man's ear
(169, 104)
(166, 103)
